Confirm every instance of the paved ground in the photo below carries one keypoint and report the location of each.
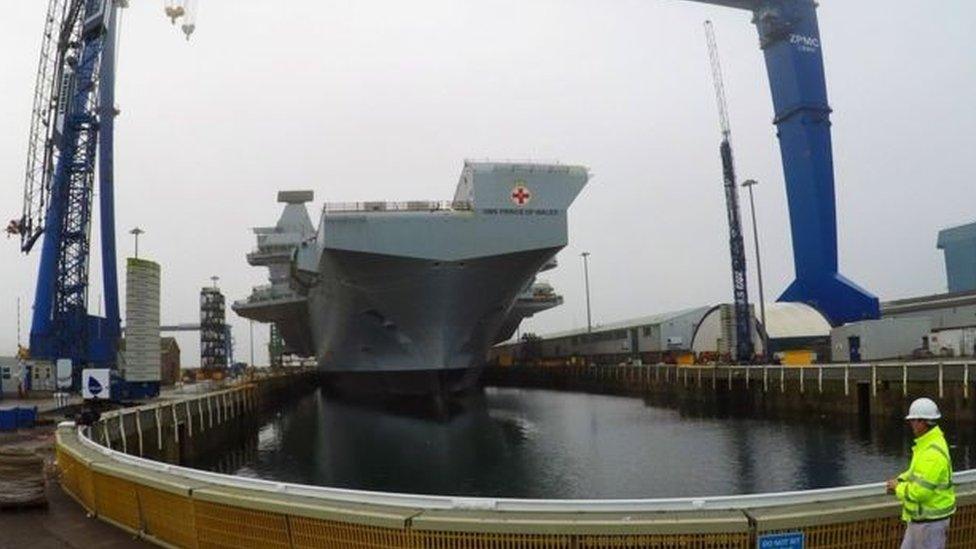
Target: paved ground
(64, 523)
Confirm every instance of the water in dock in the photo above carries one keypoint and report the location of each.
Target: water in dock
(549, 444)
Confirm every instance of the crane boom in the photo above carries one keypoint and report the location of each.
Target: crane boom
(717, 79)
(743, 351)
(60, 30)
(789, 36)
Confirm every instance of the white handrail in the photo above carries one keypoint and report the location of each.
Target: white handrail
(422, 501)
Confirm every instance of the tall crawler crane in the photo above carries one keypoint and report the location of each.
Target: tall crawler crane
(71, 140)
(743, 351)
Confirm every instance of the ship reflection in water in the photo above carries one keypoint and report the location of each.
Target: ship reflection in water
(547, 444)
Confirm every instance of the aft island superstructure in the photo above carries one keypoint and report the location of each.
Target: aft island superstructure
(407, 297)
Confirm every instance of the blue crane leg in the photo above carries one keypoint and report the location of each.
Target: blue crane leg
(41, 321)
(790, 38)
(104, 343)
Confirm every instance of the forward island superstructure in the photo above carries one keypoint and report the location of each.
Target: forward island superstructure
(407, 297)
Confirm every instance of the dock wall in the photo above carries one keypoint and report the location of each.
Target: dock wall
(882, 390)
(176, 506)
(179, 429)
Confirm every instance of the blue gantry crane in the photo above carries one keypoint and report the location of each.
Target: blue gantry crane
(71, 141)
(789, 36)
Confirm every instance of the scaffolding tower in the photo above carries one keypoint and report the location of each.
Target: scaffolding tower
(213, 331)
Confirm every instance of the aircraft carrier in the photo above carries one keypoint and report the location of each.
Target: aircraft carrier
(406, 297)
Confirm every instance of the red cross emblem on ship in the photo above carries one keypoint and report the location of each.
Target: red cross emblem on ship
(520, 194)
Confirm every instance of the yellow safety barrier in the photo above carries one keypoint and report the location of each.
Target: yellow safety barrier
(176, 511)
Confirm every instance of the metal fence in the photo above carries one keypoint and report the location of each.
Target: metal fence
(805, 378)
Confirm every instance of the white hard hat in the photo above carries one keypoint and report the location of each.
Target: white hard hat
(923, 408)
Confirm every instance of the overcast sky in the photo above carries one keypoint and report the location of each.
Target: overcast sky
(382, 100)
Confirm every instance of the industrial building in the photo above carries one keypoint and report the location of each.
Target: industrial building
(959, 246)
(790, 328)
(882, 339)
(657, 338)
(952, 318)
(25, 375)
(169, 361)
(941, 325)
(702, 334)
(9, 375)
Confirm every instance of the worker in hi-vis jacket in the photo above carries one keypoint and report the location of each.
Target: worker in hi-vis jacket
(925, 489)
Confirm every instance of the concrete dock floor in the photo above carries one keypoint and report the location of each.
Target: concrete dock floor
(64, 522)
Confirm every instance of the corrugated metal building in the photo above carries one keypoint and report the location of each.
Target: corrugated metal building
(959, 245)
(952, 317)
(884, 339)
(649, 339)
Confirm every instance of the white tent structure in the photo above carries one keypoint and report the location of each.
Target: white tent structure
(789, 326)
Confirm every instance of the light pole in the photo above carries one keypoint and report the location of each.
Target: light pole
(586, 278)
(749, 183)
(136, 232)
(251, 326)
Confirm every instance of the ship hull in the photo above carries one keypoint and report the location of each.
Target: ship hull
(393, 316)
(407, 383)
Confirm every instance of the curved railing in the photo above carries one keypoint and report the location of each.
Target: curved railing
(752, 501)
(180, 506)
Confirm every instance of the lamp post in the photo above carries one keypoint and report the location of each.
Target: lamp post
(749, 183)
(251, 327)
(586, 278)
(136, 232)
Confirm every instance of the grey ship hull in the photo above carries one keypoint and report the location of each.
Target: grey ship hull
(412, 318)
(407, 299)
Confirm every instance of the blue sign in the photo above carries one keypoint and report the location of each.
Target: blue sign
(789, 540)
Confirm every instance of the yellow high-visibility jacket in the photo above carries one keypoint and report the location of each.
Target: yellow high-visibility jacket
(925, 489)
